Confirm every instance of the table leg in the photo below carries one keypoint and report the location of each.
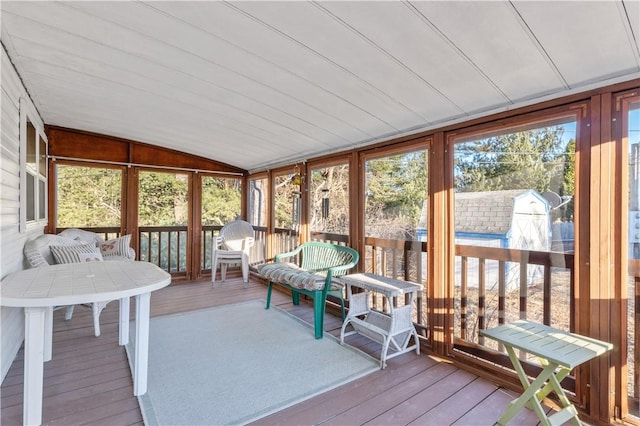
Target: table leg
(554, 385)
(34, 342)
(123, 338)
(48, 334)
(568, 408)
(140, 362)
(529, 396)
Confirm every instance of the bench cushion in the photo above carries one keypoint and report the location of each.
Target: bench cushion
(295, 277)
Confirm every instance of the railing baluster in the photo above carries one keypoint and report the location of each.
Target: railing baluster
(502, 291)
(175, 248)
(394, 264)
(149, 242)
(175, 244)
(406, 260)
(502, 295)
(159, 252)
(633, 342)
(546, 296)
(481, 297)
(419, 265)
(383, 264)
(463, 297)
(523, 287)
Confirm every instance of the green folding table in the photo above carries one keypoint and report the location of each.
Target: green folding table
(559, 352)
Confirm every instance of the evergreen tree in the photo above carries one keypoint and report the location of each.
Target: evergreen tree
(530, 159)
(537, 159)
(163, 199)
(396, 190)
(88, 196)
(221, 198)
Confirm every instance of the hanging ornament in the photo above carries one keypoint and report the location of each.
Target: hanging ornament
(295, 208)
(325, 203)
(296, 179)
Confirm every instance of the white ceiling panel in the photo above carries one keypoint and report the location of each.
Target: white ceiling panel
(295, 63)
(352, 55)
(495, 40)
(586, 41)
(631, 8)
(223, 66)
(408, 39)
(260, 84)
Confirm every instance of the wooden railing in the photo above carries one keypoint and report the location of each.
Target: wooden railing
(531, 281)
(400, 259)
(164, 246)
(492, 285)
(285, 240)
(339, 239)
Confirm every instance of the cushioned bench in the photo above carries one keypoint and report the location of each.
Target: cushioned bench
(309, 270)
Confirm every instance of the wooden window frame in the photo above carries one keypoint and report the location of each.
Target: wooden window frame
(39, 171)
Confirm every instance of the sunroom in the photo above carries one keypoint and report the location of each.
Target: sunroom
(488, 151)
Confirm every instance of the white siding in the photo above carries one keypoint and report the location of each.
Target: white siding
(11, 240)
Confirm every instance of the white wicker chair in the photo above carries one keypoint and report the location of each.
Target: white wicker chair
(37, 254)
(232, 247)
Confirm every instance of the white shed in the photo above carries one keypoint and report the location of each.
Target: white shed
(509, 219)
(518, 219)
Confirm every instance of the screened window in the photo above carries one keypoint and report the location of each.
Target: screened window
(221, 204)
(329, 203)
(163, 216)
(395, 193)
(258, 203)
(288, 213)
(88, 197)
(514, 195)
(220, 200)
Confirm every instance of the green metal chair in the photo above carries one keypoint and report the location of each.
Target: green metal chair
(309, 270)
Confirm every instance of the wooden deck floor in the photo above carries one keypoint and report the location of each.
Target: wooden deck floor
(89, 382)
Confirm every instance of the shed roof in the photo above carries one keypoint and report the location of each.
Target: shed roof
(488, 212)
(485, 212)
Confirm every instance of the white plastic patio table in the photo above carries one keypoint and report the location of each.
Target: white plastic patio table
(38, 290)
(559, 352)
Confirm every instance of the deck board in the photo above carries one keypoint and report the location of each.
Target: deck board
(344, 398)
(389, 397)
(408, 407)
(88, 380)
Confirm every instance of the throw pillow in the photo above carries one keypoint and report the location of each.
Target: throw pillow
(116, 247)
(81, 241)
(71, 254)
(90, 257)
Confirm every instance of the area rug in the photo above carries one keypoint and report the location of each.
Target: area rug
(237, 363)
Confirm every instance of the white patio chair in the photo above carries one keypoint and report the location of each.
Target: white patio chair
(232, 247)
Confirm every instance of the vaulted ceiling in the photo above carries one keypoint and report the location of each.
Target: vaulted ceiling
(258, 84)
